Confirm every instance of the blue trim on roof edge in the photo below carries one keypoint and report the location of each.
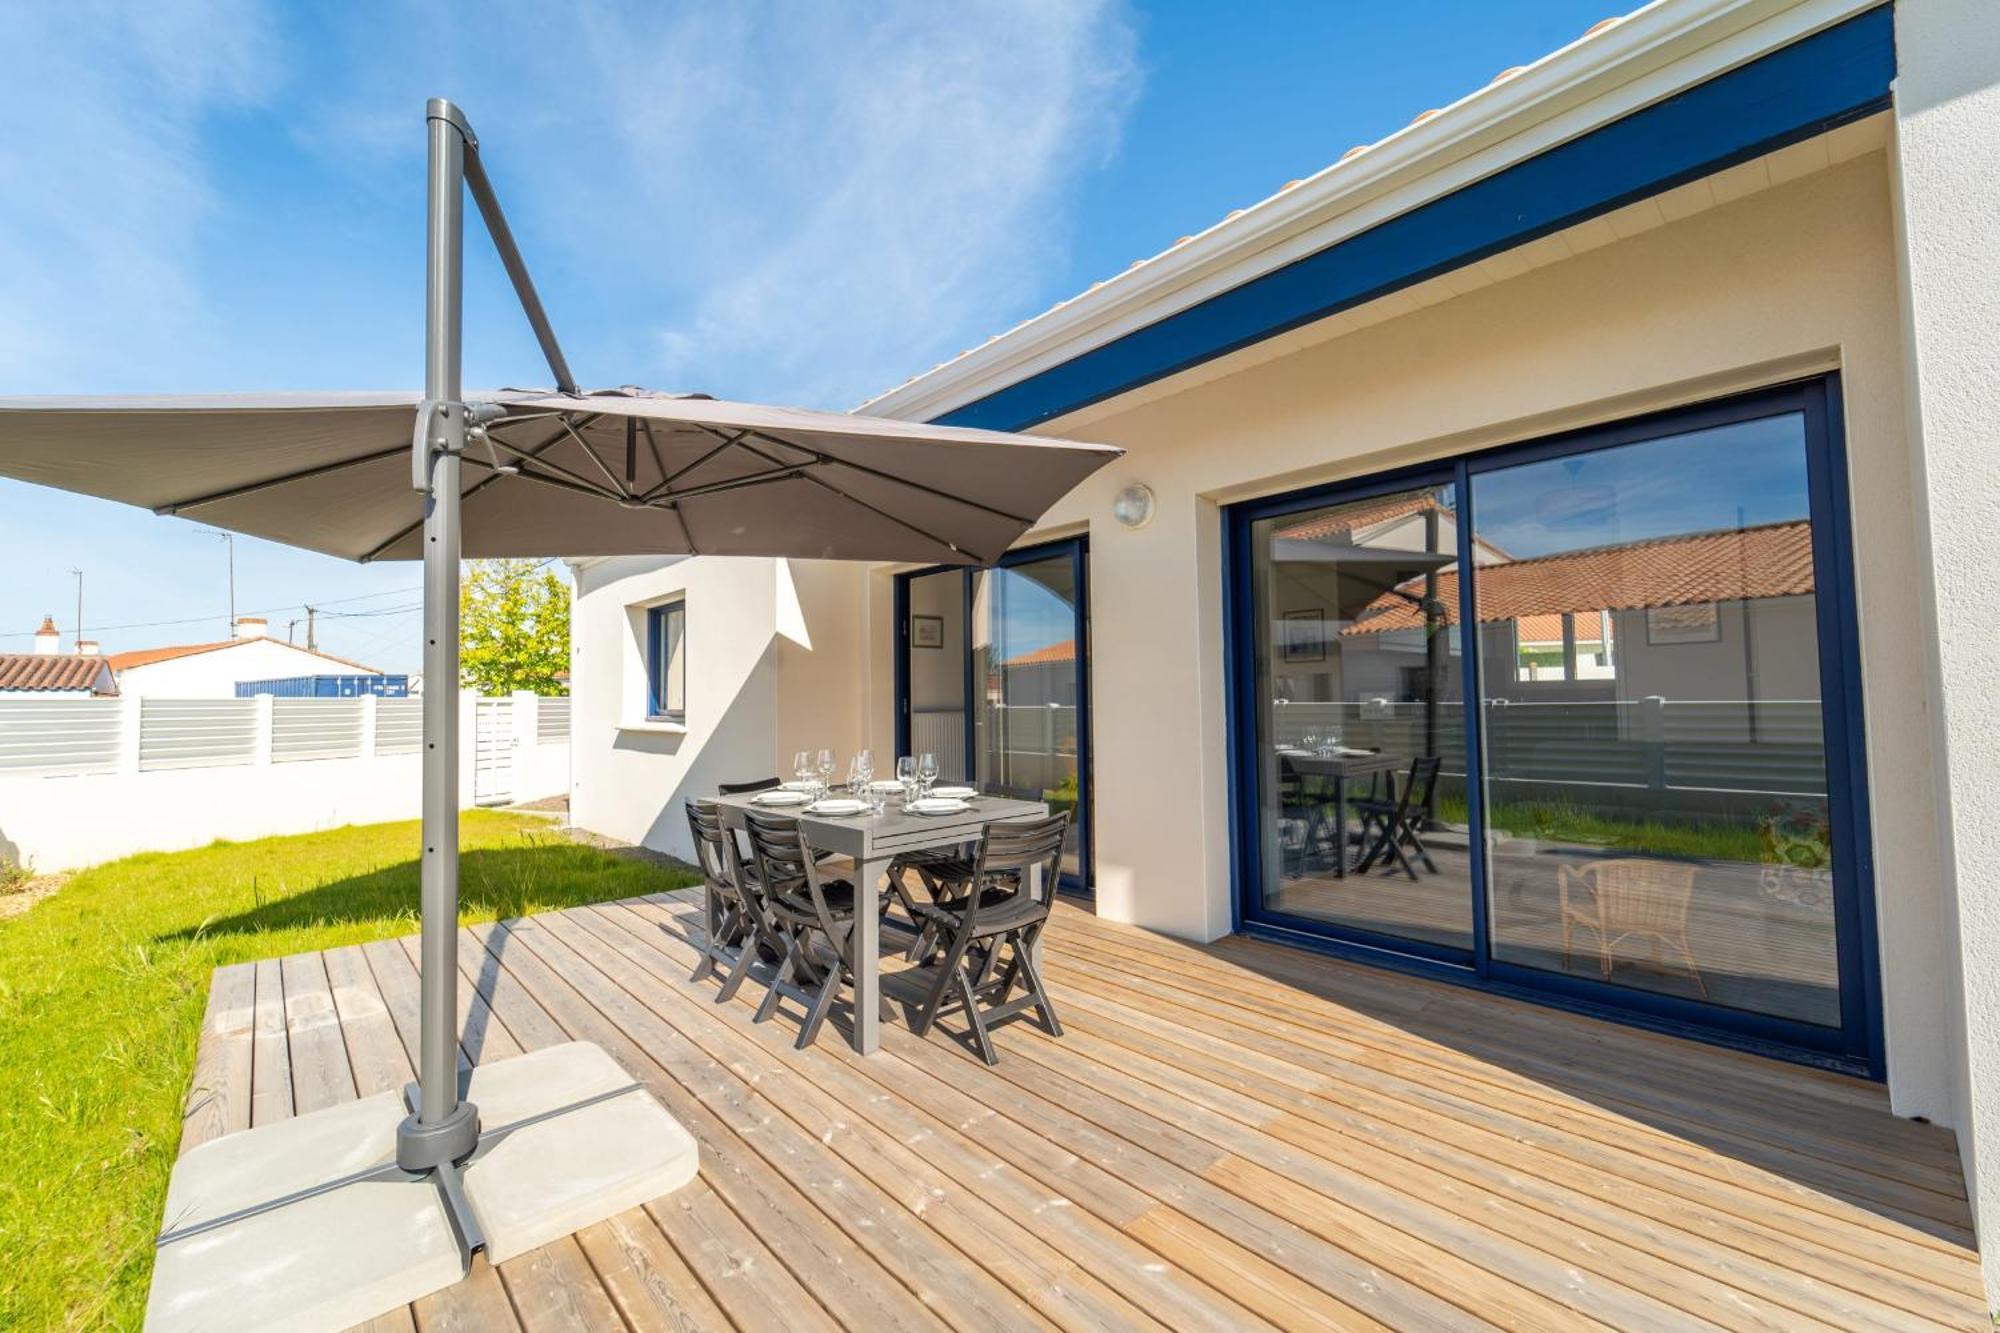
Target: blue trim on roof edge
(1802, 90)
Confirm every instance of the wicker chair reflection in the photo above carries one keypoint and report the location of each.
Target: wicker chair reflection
(1625, 897)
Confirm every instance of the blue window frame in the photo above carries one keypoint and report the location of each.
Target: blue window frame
(666, 662)
(1849, 1039)
(1066, 563)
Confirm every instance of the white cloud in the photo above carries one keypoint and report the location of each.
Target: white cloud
(805, 202)
(101, 169)
(872, 193)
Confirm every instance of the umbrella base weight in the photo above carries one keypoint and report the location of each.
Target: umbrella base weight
(309, 1223)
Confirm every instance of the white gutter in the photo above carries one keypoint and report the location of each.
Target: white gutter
(1650, 55)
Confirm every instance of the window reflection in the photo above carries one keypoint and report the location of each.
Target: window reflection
(1361, 720)
(1655, 785)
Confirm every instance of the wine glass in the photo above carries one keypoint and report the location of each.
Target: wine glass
(906, 773)
(823, 766)
(802, 768)
(927, 771)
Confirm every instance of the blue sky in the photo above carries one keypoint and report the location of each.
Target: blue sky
(790, 202)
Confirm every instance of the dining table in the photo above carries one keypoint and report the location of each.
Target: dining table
(871, 841)
(1340, 767)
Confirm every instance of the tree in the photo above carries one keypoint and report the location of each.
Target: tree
(513, 627)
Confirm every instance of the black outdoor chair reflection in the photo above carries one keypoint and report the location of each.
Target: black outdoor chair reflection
(991, 909)
(1392, 825)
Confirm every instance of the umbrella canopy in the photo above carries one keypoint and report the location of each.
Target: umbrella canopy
(620, 472)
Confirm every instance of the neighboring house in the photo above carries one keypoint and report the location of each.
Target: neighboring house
(213, 670)
(1667, 362)
(49, 673)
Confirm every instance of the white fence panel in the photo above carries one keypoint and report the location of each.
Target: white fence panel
(196, 733)
(315, 729)
(493, 752)
(552, 720)
(399, 726)
(51, 736)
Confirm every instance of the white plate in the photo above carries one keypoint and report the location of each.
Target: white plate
(801, 785)
(933, 805)
(779, 797)
(885, 784)
(837, 805)
(954, 793)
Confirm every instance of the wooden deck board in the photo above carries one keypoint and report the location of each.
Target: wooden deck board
(1230, 1136)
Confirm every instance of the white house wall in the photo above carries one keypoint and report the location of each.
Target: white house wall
(1790, 279)
(745, 618)
(1947, 164)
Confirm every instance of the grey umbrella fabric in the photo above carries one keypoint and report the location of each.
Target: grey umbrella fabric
(618, 472)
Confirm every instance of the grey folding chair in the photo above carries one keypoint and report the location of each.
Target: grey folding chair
(1388, 827)
(997, 911)
(734, 915)
(806, 908)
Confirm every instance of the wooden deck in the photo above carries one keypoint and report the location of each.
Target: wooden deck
(1229, 1137)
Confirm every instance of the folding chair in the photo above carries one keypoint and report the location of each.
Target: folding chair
(997, 910)
(1388, 827)
(805, 908)
(733, 914)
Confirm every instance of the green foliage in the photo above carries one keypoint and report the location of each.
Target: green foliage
(513, 627)
(102, 990)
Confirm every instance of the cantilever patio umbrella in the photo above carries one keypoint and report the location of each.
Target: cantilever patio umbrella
(441, 474)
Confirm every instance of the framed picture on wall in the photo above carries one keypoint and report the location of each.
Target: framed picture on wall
(1302, 637)
(1697, 623)
(927, 631)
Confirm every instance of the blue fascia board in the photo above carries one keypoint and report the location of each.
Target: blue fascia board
(1805, 89)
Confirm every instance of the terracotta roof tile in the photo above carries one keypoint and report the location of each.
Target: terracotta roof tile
(139, 657)
(1348, 520)
(1774, 560)
(1046, 655)
(38, 672)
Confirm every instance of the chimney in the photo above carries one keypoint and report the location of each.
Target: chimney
(251, 627)
(47, 639)
(88, 648)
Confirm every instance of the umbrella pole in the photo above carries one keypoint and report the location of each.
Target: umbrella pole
(442, 1131)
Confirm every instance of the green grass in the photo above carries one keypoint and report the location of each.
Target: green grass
(102, 990)
(1715, 841)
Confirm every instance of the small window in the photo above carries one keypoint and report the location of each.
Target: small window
(666, 662)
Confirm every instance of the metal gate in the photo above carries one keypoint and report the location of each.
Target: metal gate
(493, 755)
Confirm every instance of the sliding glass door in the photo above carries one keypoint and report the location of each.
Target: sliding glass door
(1359, 670)
(994, 680)
(1657, 803)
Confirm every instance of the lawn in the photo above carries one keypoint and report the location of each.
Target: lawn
(102, 989)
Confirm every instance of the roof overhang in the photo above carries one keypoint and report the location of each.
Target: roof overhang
(1675, 91)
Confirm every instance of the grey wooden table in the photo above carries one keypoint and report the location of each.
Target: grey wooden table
(1342, 769)
(871, 842)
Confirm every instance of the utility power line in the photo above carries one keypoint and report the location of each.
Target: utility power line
(262, 611)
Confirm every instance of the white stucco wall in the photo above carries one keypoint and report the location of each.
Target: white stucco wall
(213, 675)
(1947, 169)
(746, 618)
